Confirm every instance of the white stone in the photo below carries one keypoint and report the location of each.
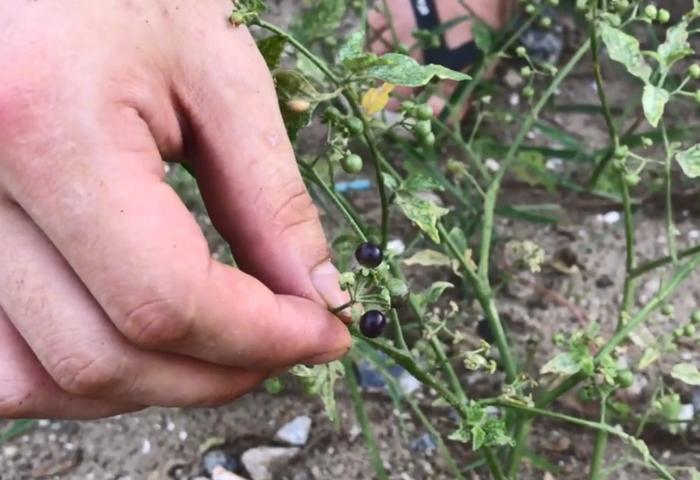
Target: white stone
(262, 461)
(146, 446)
(295, 432)
(220, 473)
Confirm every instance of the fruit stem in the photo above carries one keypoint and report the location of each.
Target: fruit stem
(342, 307)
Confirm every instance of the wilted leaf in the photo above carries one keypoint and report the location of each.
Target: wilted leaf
(689, 160)
(624, 48)
(686, 373)
(400, 69)
(654, 102)
(320, 380)
(423, 213)
(375, 99)
(563, 364)
(428, 258)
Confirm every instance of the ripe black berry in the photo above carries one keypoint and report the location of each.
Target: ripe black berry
(372, 323)
(369, 255)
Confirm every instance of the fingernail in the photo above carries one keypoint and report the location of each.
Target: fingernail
(326, 279)
(325, 357)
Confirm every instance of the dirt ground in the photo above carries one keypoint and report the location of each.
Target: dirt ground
(169, 443)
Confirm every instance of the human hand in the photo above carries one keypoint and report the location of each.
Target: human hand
(109, 298)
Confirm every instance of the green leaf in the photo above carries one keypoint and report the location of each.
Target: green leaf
(271, 49)
(564, 363)
(420, 183)
(675, 47)
(247, 11)
(650, 356)
(624, 48)
(478, 437)
(428, 258)
(689, 160)
(423, 213)
(483, 36)
(654, 101)
(401, 69)
(686, 373)
(320, 380)
(462, 434)
(430, 295)
(352, 48)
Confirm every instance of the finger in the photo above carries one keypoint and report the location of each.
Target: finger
(100, 198)
(247, 169)
(27, 391)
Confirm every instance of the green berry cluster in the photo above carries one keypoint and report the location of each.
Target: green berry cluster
(423, 127)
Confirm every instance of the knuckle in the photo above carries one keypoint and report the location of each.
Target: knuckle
(297, 210)
(83, 374)
(161, 322)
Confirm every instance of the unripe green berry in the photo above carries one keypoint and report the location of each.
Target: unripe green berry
(689, 330)
(625, 378)
(545, 22)
(694, 71)
(354, 125)
(408, 107)
(526, 72)
(530, 9)
(554, 2)
(650, 11)
(622, 5)
(667, 310)
(521, 52)
(422, 128)
(678, 332)
(424, 112)
(695, 317)
(428, 141)
(647, 142)
(528, 92)
(332, 113)
(622, 151)
(352, 163)
(632, 179)
(663, 16)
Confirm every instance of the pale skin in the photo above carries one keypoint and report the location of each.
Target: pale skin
(109, 298)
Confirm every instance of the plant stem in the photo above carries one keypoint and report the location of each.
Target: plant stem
(494, 464)
(670, 227)
(492, 193)
(654, 264)
(361, 414)
(484, 296)
(398, 332)
(601, 442)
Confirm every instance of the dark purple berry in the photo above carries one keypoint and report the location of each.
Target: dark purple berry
(372, 323)
(369, 255)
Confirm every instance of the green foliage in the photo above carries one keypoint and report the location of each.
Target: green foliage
(320, 380)
(625, 49)
(689, 160)
(686, 373)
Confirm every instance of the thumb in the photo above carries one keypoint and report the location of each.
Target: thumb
(248, 174)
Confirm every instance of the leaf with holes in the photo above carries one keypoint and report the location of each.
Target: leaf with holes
(624, 48)
(676, 46)
(403, 70)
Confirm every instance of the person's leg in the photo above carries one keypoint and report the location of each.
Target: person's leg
(403, 15)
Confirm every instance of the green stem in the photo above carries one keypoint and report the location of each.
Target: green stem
(492, 193)
(601, 443)
(398, 332)
(670, 227)
(494, 464)
(654, 264)
(485, 299)
(361, 414)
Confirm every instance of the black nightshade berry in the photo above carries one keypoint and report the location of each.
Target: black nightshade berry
(369, 255)
(372, 323)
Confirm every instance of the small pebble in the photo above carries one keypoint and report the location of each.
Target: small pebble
(295, 432)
